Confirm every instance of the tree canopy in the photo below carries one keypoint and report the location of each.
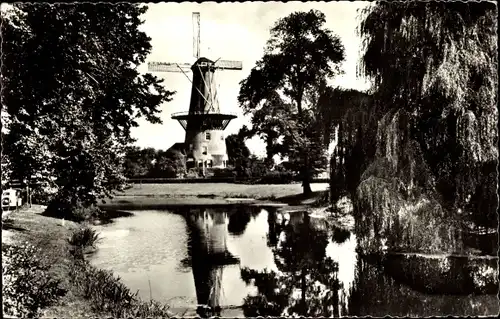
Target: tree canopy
(350, 117)
(72, 93)
(436, 63)
(282, 90)
(236, 147)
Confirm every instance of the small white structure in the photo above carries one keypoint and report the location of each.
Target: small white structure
(11, 198)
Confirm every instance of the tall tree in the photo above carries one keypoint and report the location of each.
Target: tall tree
(437, 62)
(281, 90)
(236, 147)
(72, 92)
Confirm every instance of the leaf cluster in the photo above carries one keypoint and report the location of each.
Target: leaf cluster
(72, 92)
(28, 287)
(438, 61)
(281, 92)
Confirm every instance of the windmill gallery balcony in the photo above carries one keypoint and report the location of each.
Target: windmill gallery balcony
(201, 120)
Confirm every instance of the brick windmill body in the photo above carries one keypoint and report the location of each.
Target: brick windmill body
(204, 144)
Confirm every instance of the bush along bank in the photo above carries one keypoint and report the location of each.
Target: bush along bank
(27, 286)
(45, 273)
(105, 291)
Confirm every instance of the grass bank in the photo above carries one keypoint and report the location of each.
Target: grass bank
(221, 190)
(85, 290)
(165, 196)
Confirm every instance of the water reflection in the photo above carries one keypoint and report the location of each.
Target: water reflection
(377, 296)
(210, 230)
(260, 262)
(208, 253)
(306, 282)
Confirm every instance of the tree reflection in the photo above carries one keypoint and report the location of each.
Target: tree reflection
(339, 235)
(378, 295)
(238, 222)
(239, 217)
(306, 283)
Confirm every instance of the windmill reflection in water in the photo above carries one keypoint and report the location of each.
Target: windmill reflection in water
(209, 255)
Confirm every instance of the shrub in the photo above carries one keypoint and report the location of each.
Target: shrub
(43, 195)
(72, 211)
(27, 285)
(81, 213)
(108, 295)
(223, 172)
(193, 173)
(84, 237)
(277, 177)
(255, 306)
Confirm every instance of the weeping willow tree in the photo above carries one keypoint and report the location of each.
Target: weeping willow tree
(352, 116)
(436, 64)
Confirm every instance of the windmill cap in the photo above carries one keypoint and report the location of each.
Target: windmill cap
(203, 62)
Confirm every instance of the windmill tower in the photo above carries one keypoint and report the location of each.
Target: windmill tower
(204, 144)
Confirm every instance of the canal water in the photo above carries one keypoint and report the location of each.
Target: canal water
(254, 260)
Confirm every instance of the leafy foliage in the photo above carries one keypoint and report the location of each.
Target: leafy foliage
(437, 61)
(72, 93)
(149, 162)
(138, 162)
(251, 167)
(353, 116)
(282, 90)
(236, 148)
(169, 164)
(84, 237)
(27, 285)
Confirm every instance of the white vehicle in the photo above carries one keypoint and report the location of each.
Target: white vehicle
(11, 198)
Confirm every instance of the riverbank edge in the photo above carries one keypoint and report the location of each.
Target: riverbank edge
(291, 203)
(49, 235)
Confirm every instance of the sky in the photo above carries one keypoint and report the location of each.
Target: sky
(230, 31)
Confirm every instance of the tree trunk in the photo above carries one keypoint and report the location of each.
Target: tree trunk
(306, 181)
(306, 185)
(303, 305)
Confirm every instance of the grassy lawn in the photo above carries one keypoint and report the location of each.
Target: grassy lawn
(222, 190)
(50, 235)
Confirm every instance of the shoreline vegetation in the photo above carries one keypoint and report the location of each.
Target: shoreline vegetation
(58, 248)
(163, 196)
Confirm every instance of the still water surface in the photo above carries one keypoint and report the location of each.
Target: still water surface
(196, 256)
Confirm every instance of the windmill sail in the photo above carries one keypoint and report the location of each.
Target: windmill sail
(168, 67)
(229, 65)
(196, 35)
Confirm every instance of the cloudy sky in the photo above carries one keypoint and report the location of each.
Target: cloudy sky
(231, 31)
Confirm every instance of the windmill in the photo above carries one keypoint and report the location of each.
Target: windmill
(204, 144)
